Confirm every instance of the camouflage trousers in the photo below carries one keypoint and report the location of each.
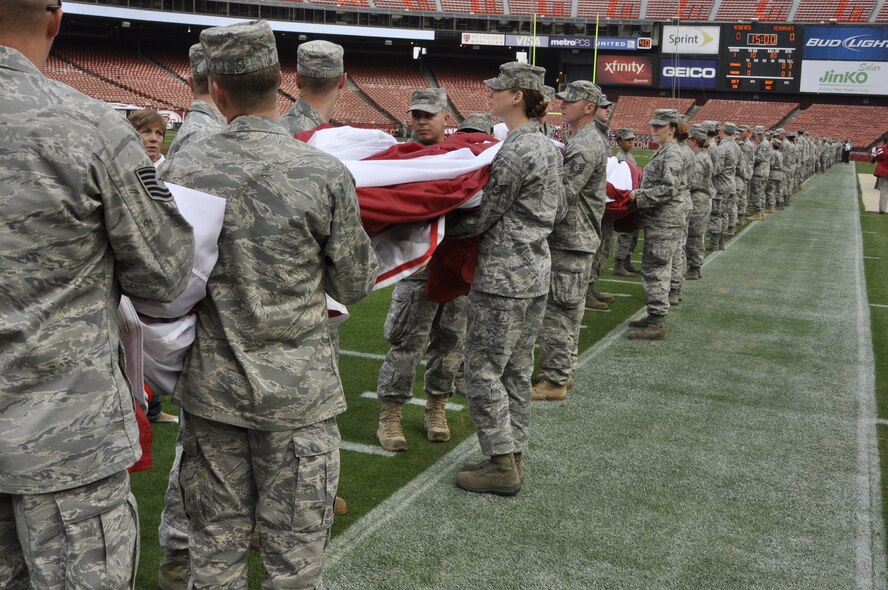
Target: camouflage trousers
(624, 245)
(85, 537)
(775, 192)
(660, 247)
(728, 212)
(695, 249)
(715, 216)
(742, 200)
(757, 192)
(603, 252)
(172, 534)
(282, 483)
(679, 259)
(560, 330)
(499, 362)
(413, 322)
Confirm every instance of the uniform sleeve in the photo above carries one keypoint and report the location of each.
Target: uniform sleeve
(576, 172)
(351, 265)
(500, 192)
(152, 243)
(664, 188)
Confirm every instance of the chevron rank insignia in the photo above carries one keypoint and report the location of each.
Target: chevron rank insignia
(155, 186)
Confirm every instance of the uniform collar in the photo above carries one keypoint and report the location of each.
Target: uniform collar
(602, 127)
(204, 107)
(13, 59)
(257, 123)
(529, 127)
(309, 111)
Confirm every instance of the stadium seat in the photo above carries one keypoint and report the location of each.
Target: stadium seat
(635, 111)
(745, 112)
(473, 6)
(842, 121)
(851, 11)
(540, 7)
(764, 10)
(683, 9)
(622, 9)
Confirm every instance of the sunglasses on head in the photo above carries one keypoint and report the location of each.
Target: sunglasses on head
(54, 7)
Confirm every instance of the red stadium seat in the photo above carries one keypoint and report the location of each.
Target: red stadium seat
(852, 11)
(745, 112)
(683, 9)
(842, 121)
(764, 10)
(635, 111)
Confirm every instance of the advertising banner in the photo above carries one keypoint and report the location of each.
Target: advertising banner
(483, 39)
(691, 39)
(691, 74)
(846, 43)
(845, 77)
(634, 70)
(605, 43)
(526, 41)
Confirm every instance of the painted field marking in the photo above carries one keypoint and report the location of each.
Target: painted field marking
(869, 232)
(365, 449)
(882, 421)
(877, 305)
(621, 294)
(620, 281)
(417, 402)
(599, 310)
(872, 258)
(368, 355)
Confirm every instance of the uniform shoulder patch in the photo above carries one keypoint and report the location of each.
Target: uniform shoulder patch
(576, 165)
(157, 190)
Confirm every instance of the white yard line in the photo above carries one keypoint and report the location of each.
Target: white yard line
(621, 281)
(877, 305)
(872, 258)
(365, 449)
(417, 402)
(369, 355)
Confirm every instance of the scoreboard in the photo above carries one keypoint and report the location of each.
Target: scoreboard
(761, 57)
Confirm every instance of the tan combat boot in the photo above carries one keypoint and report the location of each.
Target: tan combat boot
(497, 475)
(655, 330)
(603, 297)
(476, 465)
(390, 433)
(674, 298)
(628, 266)
(174, 570)
(435, 419)
(772, 209)
(620, 269)
(546, 390)
(760, 216)
(339, 507)
(643, 322)
(593, 303)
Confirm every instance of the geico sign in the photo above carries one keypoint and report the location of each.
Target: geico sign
(686, 72)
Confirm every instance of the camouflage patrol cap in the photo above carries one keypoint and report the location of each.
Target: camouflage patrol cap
(711, 127)
(548, 93)
(241, 48)
(580, 90)
(791, 134)
(802, 131)
(625, 133)
(198, 63)
(319, 59)
(664, 117)
(681, 119)
(603, 102)
(481, 122)
(759, 130)
(516, 75)
(776, 141)
(698, 134)
(742, 128)
(779, 131)
(428, 100)
(729, 128)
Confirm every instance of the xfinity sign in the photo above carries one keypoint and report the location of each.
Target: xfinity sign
(846, 43)
(696, 74)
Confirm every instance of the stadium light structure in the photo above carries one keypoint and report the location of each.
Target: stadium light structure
(521, 57)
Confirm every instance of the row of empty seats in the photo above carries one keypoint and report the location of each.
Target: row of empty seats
(852, 11)
(635, 112)
(768, 114)
(863, 125)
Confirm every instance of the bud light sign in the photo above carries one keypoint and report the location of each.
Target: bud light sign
(690, 74)
(846, 43)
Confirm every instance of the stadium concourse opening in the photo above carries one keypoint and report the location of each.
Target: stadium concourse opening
(739, 453)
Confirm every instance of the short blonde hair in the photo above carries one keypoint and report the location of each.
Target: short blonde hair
(145, 118)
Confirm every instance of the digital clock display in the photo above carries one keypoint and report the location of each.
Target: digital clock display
(761, 39)
(761, 57)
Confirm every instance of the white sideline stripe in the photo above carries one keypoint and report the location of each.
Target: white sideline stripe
(365, 449)
(877, 305)
(871, 568)
(371, 522)
(417, 402)
(369, 355)
(619, 281)
(599, 310)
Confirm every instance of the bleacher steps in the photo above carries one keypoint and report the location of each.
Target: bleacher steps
(164, 68)
(715, 6)
(876, 11)
(792, 115)
(357, 90)
(127, 87)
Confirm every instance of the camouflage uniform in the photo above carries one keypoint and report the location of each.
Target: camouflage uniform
(775, 177)
(720, 180)
(702, 191)
(760, 172)
(415, 323)
(788, 150)
(730, 176)
(260, 387)
(202, 119)
(573, 242)
(301, 117)
(679, 260)
(663, 213)
(607, 231)
(747, 152)
(508, 296)
(626, 242)
(83, 220)
(319, 60)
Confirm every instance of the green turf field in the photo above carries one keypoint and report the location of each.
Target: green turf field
(727, 457)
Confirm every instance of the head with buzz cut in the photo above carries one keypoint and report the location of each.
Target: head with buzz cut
(30, 26)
